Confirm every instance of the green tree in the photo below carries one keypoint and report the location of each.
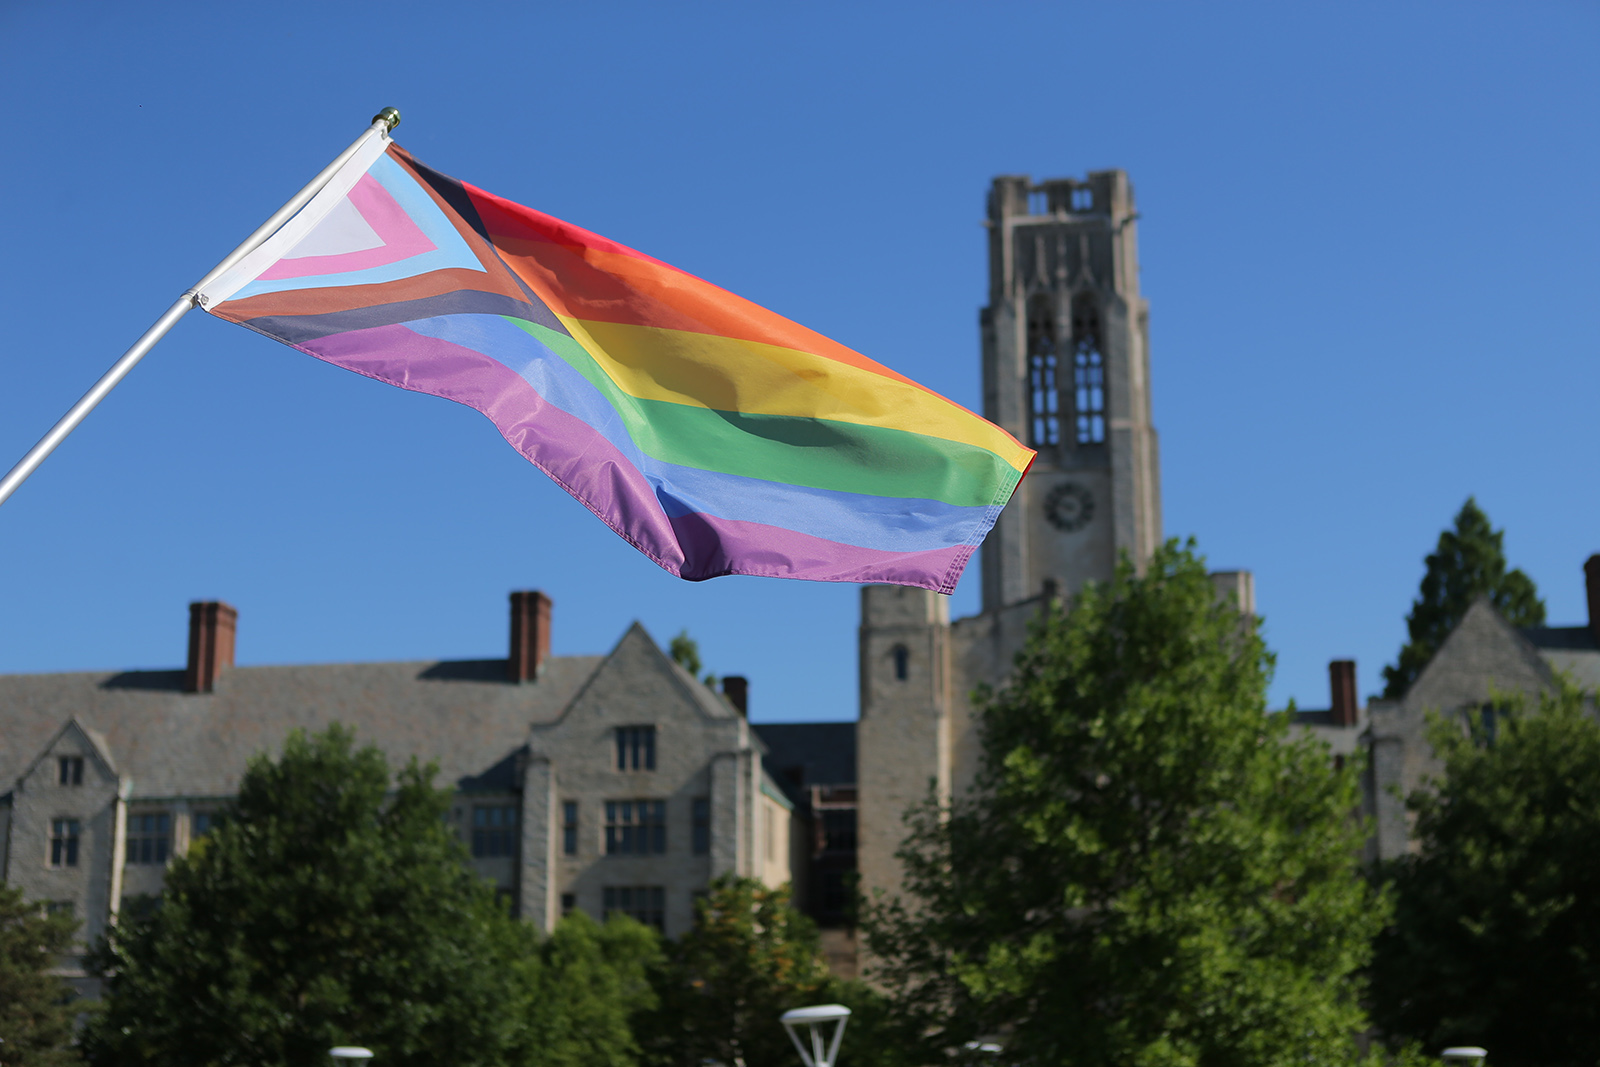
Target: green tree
(592, 981)
(1469, 562)
(751, 957)
(1496, 934)
(35, 1006)
(1150, 871)
(685, 652)
(333, 907)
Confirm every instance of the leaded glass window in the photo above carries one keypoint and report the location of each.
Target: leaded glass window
(1088, 372)
(636, 827)
(149, 837)
(494, 830)
(646, 903)
(1044, 396)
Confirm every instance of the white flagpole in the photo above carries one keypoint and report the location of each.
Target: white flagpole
(382, 123)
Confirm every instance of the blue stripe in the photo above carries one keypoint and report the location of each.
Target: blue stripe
(893, 524)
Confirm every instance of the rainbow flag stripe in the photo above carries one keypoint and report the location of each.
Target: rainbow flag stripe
(713, 435)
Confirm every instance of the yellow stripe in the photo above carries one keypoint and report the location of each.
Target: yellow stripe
(729, 374)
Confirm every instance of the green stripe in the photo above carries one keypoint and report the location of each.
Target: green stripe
(819, 453)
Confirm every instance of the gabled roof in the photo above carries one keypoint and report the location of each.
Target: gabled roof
(636, 646)
(1569, 649)
(1483, 654)
(818, 753)
(461, 714)
(98, 749)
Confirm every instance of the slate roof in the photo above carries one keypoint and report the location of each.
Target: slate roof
(825, 752)
(461, 714)
(1571, 649)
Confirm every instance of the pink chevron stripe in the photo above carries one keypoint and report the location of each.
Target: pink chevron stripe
(400, 236)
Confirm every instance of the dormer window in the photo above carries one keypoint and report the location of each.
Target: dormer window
(636, 748)
(71, 769)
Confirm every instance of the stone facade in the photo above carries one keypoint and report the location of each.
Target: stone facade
(1483, 664)
(110, 776)
(1066, 368)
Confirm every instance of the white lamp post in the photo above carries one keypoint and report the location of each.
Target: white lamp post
(816, 1020)
(350, 1055)
(1464, 1056)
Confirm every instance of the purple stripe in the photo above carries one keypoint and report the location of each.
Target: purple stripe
(580, 459)
(715, 546)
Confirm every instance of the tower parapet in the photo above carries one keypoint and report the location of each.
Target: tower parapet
(1066, 368)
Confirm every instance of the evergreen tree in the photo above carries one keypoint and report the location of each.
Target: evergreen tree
(685, 652)
(1496, 936)
(1470, 562)
(35, 1006)
(1149, 872)
(332, 907)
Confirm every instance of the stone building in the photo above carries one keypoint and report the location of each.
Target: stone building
(1066, 368)
(606, 783)
(1484, 663)
(816, 763)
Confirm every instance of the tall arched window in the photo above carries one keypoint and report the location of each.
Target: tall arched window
(1044, 397)
(902, 663)
(1088, 371)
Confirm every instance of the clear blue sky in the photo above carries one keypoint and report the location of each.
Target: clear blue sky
(1370, 245)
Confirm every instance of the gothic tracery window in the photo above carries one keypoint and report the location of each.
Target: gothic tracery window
(1088, 372)
(1044, 396)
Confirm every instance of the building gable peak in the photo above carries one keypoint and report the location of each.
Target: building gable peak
(91, 741)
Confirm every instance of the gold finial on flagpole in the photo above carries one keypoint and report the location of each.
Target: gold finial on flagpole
(389, 115)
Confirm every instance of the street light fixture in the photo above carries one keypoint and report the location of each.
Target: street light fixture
(1464, 1055)
(815, 1020)
(349, 1055)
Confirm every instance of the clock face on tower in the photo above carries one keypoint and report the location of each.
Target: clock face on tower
(1069, 507)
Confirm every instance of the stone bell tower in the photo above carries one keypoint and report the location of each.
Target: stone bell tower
(1066, 369)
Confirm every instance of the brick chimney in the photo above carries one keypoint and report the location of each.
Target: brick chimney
(1342, 681)
(530, 636)
(1591, 581)
(212, 625)
(736, 687)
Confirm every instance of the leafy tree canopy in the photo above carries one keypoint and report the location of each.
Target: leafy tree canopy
(35, 1006)
(1150, 871)
(685, 652)
(1470, 562)
(1496, 935)
(332, 907)
(751, 957)
(593, 980)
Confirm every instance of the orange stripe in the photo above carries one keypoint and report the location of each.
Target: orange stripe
(604, 281)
